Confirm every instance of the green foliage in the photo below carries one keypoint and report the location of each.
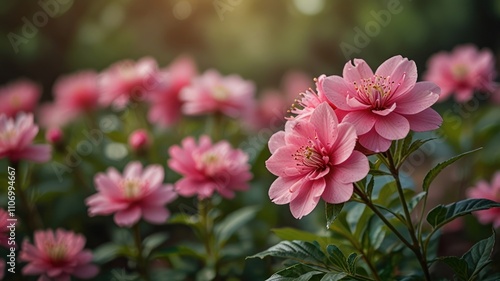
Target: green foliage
(332, 211)
(442, 214)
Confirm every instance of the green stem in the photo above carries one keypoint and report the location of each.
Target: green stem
(32, 217)
(416, 246)
(141, 265)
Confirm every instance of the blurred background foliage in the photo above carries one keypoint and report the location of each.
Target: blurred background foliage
(258, 39)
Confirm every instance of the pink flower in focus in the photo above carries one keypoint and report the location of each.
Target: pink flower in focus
(211, 92)
(386, 105)
(309, 100)
(315, 159)
(209, 168)
(16, 137)
(19, 96)
(135, 194)
(139, 139)
(165, 102)
(57, 256)
(491, 192)
(54, 135)
(127, 81)
(77, 93)
(4, 231)
(462, 71)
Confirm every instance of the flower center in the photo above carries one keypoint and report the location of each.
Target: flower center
(375, 91)
(459, 71)
(308, 156)
(131, 188)
(211, 163)
(56, 252)
(220, 93)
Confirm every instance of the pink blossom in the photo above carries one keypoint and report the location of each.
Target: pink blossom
(127, 81)
(209, 168)
(491, 192)
(211, 93)
(19, 96)
(4, 231)
(386, 105)
(462, 71)
(57, 256)
(52, 115)
(315, 159)
(309, 100)
(294, 82)
(54, 135)
(16, 137)
(270, 109)
(135, 194)
(77, 93)
(165, 102)
(139, 139)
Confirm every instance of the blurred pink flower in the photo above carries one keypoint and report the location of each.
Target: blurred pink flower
(54, 135)
(77, 92)
(209, 168)
(314, 159)
(309, 100)
(138, 139)
(293, 83)
(491, 192)
(4, 231)
(16, 137)
(57, 256)
(135, 194)
(462, 71)
(19, 96)
(165, 102)
(51, 115)
(211, 92)
(127, 81)
(386, 105)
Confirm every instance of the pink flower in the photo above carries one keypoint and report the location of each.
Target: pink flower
(127, 81)
(165, 102)
(139, 139)
(491, 192)
(16, 137)
(135, 194)
(309, 100)
(77, 93)
(462, 71)
(386, 105)
(315, 159)
(19, 96)
(209, 168)
(210, 93)
(57, 256)
(52, 115)
(4, 231)
(54, 135)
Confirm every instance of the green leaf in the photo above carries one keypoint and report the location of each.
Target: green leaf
(332, 276)
(304, 252)
(379, 173)
(478, 257)
(178, 250)
(296, 272)
(432, 174)
(337, 258)
(441, 215)
(352, 259)
(458, 265)
(332, 211)
(106, 252)
(233, 222)
(412, 148)
(153, 241)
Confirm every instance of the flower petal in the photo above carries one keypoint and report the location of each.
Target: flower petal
(282, 163)
(392, 127)
(336, 192)
(155, 214)
(363, 121)
(402, 71)
(307, 199)
(325, 122)
(421, 97)
(344, 144)
(426, 120)
(276, 141)
(128, 217)
(284, 190)
(357, 71)
(355, 168)
(374, 142)
(336, 91)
